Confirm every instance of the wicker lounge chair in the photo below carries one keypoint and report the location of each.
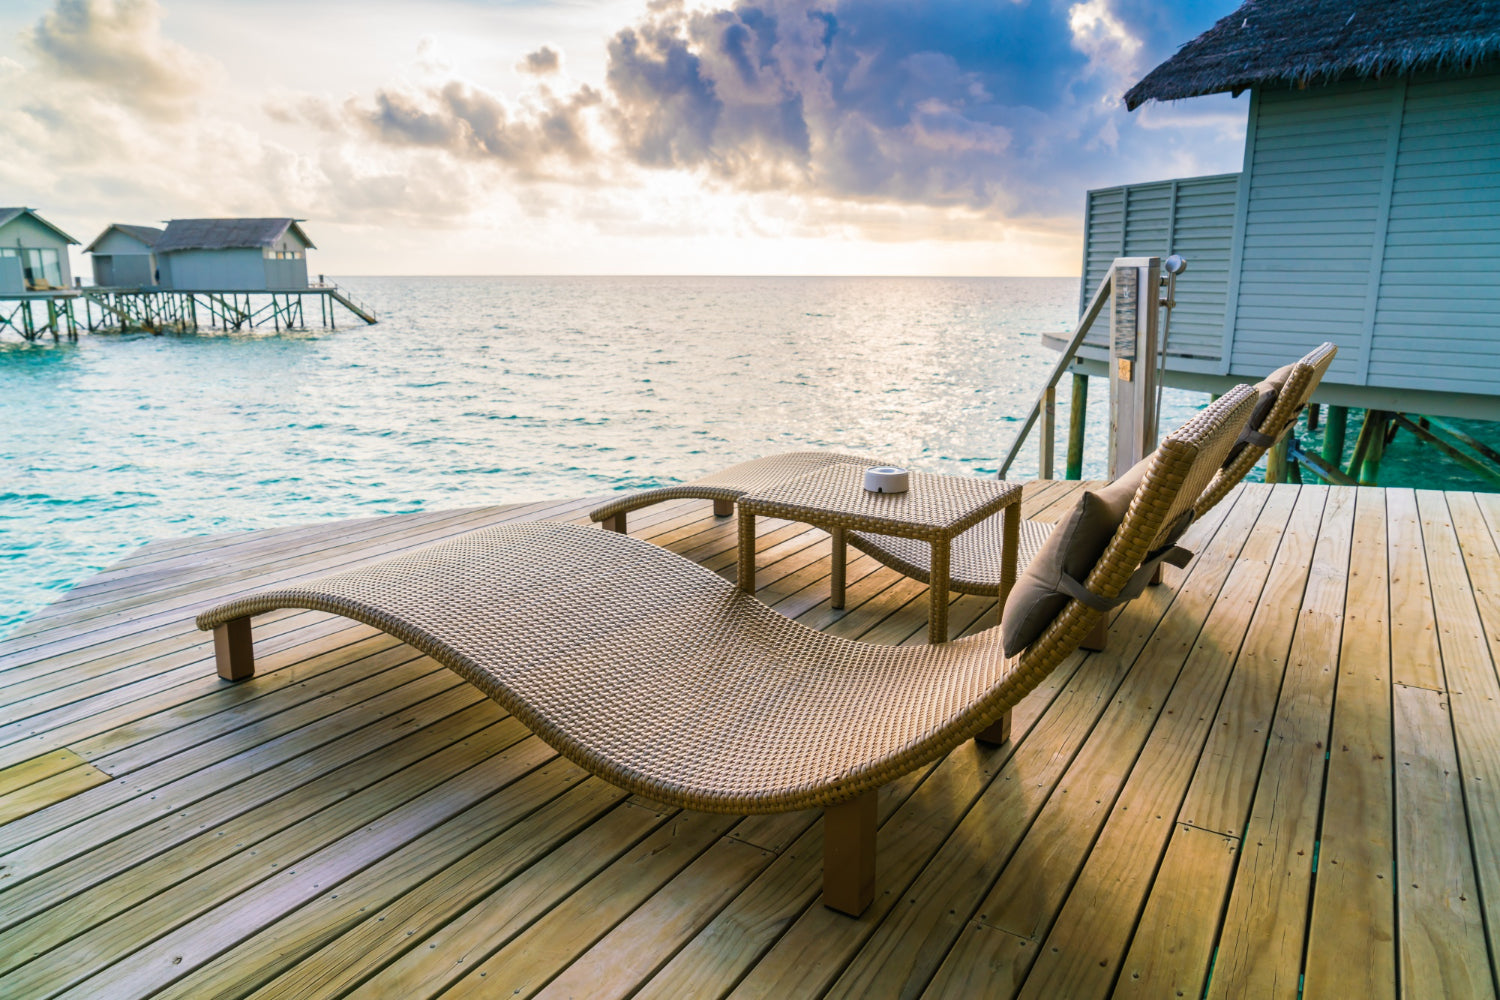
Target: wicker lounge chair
(661, 677)
(975, 556)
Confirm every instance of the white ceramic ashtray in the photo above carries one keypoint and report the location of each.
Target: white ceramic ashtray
(886, 479)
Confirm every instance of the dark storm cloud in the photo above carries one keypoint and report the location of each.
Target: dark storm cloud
(983, 105)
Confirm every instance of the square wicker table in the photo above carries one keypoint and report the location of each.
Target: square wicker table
(936, 509)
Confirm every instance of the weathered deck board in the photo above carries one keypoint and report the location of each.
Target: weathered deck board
(1283, 771)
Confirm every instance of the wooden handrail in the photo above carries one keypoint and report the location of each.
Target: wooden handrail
(1046, 401)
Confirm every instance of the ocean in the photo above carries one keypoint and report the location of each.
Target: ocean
(478, 391)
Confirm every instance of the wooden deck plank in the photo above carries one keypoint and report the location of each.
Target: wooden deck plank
(1351, 944)
(339, 763)
(1443, 949)
(1082, 954)
(50, 790)
(1039, 877)
(1261, 946)
(1473, 692)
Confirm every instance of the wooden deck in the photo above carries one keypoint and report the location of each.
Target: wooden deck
(1284, 773)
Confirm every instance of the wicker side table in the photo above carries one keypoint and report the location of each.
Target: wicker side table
(936, 510)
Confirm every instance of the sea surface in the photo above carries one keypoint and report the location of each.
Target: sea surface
(497, 390)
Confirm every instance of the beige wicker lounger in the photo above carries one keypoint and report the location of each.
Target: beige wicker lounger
(659, 676)
(975, 557)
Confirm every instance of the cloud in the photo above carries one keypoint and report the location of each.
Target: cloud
(543, 61)
(119, 44)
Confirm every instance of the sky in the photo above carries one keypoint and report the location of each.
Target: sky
(604, 136)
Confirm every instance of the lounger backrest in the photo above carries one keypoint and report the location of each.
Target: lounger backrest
(1274, 415)
(1174, 476)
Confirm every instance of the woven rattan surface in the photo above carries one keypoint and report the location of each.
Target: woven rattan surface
(737, 480)
(975, 562)
(1290, 402)
(656, 674)
(934, 507)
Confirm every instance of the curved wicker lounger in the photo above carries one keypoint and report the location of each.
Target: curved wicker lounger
(728, 485)
(661, 677)
(976, 553)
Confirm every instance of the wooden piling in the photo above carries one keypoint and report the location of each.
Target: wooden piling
(1077, 423)
(1334, 430)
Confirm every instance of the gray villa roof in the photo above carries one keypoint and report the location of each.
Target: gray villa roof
(146, 234)
(226, 234)
(8, 214)
(1293, 43)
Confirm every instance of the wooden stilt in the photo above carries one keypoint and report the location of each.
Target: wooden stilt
(1369, 472)
(998, 731)
(234, 651)
(723, 508)
(1077, 422)
(1276, 460)
(849, 854)
(1334, 430)
(1314, 415)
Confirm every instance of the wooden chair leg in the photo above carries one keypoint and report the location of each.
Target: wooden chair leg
(723, 508)
(615, 522)
(1097, 639)
(849, 854)
(998, 732)
(234, 651)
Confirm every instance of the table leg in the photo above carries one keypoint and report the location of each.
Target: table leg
(840, 568)
(937, 617)
(747, 551)
(1009, 555)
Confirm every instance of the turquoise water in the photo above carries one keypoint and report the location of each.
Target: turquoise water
(495, 390)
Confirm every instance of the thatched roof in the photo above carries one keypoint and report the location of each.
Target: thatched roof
(1295, 43)
(147, 235)
(226, 234)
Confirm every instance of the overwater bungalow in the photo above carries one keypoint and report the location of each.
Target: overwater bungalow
(33, 253)
(124, 256)
(1365, 213)
(241, 255)
(1277, 778)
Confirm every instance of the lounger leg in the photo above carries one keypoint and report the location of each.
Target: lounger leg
(937, 588)
(747, 551)
(849, 854)
(998, 732)
(234, 652)
(1097, 639)
(615, 522)
(840, 572)
(723, 508)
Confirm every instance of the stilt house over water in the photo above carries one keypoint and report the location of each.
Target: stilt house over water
(33, 253)
(1367, 212)
(125, 256)
(240, 255)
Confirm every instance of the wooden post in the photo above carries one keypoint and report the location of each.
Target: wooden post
(1369, 473)
(849, 854)
(1077, 414)
(234, 651)
(1314, 412)
(1334, 431)
(1276, 460)
(1133, 336)
(839, 568)
(1048, 442)
(615, 522)
(1362, 443)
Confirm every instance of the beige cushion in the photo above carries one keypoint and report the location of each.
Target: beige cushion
(1267, 389)
(1074, 546)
